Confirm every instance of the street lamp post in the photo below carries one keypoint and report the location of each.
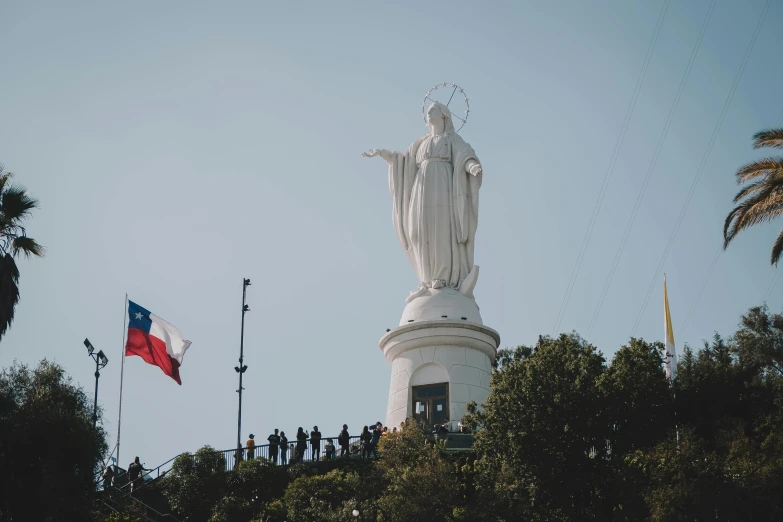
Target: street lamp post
(242, 368)
(100, 362)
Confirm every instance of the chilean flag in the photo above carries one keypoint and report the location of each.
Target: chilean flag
(155, 340)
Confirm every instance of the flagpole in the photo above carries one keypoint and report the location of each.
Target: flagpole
(670, 358)
(122, 374)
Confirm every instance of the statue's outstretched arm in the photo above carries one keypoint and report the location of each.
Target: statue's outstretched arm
(385, 154)
(473, 167)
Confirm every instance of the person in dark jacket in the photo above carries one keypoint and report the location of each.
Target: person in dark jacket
(315, 444)
(377, 430)
(108, 477)
(274, 444)
(329, 448)
(365, 439)
(135, 473)
(301, 443)
(283, 449)
(344, 439)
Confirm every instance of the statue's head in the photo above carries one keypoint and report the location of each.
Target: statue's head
(438, 110)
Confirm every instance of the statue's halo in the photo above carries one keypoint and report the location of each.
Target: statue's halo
(428, 98)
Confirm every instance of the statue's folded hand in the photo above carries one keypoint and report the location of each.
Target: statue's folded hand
(474, 168)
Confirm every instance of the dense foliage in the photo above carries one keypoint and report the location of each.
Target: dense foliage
(49, 451)
(564, 436)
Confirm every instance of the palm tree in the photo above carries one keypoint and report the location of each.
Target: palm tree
(763, 198)
(15, 207)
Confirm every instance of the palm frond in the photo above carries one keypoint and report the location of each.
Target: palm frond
(777, 248)
(768, 138)
(4, 178)
(15, 204)
(761, 209)
(762, 167)
(766, 205)
(9, 292)
(752, 189)
(727, 237)
(27, 246)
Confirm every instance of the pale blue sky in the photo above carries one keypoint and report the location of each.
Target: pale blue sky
(179, 147)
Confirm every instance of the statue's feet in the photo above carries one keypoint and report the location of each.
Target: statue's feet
(417, 293)
(438, 283)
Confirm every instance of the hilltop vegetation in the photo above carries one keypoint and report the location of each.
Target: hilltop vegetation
(564, 436)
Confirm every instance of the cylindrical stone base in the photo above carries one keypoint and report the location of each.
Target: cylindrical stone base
(435, 352)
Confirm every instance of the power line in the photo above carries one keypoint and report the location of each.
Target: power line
(771, 286)
(702, 165)
(718, 254)
(610, 170)
(650, 169)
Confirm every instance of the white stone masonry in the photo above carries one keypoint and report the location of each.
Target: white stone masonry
(459, 353)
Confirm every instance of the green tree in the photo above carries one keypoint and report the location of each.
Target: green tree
(544, 431)
(323, 498)
(637, 401)
(762, 199)
(196, 483)
(421, 483)
(49, 451)
(715, 391)
(734, 481)
(131, 513)
(759, 341)
(15, 207)
(250, 485)
(686, 367)
(637, 398)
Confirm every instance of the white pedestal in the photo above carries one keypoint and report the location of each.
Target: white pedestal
(449, 350)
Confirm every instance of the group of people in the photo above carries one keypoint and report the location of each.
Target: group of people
(280, 447)
(135, 477)
(371, 437)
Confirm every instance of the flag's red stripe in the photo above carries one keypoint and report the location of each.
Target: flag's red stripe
(153, 351)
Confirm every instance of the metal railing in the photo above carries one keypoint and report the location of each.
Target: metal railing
(311, 452)
(118, 500)
(232, 456)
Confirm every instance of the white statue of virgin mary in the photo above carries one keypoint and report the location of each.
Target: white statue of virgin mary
(435, 186)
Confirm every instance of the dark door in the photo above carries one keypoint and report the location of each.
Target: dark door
(431, 404)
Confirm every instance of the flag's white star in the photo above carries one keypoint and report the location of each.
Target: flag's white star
(139, 315)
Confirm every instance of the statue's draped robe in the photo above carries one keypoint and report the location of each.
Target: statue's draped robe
(435, 207)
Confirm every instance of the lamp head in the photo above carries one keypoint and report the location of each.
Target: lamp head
(89, 346)
(103, 358)
(246, 282)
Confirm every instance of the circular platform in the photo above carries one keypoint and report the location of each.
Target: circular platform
(441, 304)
